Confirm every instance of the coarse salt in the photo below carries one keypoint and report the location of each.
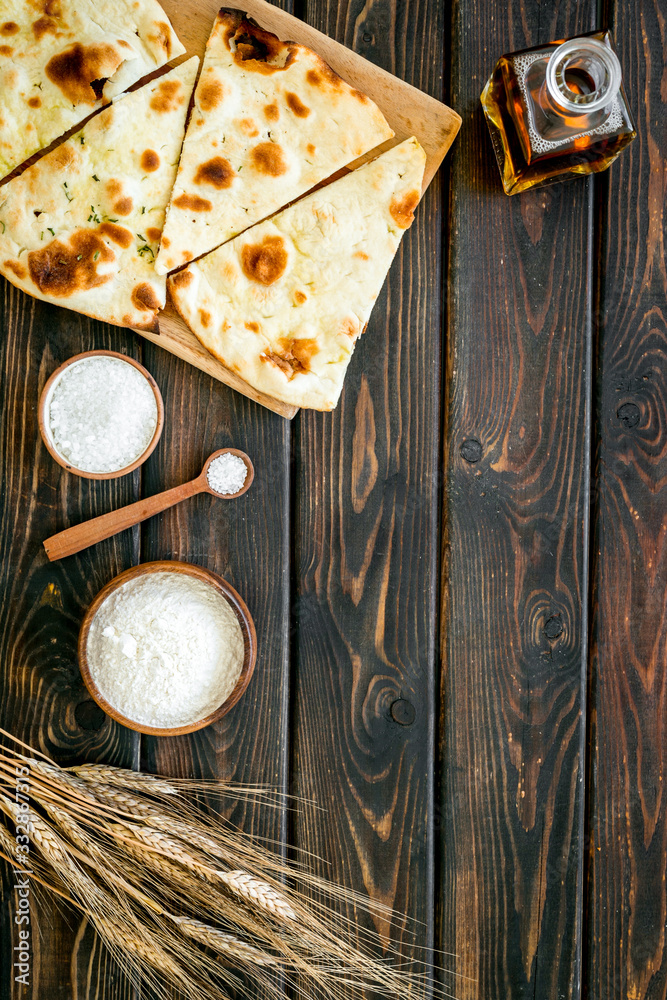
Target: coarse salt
(227, 473)
(165, 649)
(102, 414)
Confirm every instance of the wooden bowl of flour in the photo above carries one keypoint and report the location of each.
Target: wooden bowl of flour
(171, 579)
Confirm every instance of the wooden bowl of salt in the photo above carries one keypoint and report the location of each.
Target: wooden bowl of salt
(167, 648)
(100, 415)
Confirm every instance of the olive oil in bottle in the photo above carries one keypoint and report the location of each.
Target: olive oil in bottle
(557, 110)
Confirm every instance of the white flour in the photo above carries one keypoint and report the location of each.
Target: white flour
(165, 649)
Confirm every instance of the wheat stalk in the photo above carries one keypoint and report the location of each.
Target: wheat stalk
(144, 865)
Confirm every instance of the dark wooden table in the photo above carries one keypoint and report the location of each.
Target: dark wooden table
(459, 578)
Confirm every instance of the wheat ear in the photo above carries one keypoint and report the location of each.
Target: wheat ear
(172, 873)
(137, 946)
(77, 836)
(187, 833)
(225, 944)
(46, 840)
(121, 801)
(155, 840)
(106, 775)
(7, 842)
(263, 895)
(59, 775)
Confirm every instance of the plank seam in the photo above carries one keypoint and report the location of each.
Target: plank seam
(441, 612)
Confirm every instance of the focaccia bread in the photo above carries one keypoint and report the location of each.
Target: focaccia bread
(283, 304)
(62, 59)
(81, 227)
(271, 120)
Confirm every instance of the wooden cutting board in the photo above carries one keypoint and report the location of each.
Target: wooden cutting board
(408, 111)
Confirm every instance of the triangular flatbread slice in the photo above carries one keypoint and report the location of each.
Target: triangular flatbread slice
(270, 121)
(283, 304)
(81, 227)
(60, 60)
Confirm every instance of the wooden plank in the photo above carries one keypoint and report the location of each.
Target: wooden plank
(44, 700)
(514, 595)
(408, 110)
(627, 904)
(366, 552)
(246, 541)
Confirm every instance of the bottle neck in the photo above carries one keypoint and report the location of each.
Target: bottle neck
(583, 75)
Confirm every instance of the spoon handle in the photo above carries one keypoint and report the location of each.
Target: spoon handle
(79, 537)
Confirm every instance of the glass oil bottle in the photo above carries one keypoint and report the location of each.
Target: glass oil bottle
(557, 110)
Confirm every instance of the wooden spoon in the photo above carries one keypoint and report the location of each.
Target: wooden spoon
(72, 540)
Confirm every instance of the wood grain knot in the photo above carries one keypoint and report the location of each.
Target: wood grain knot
(629, 414)
(547, 628)
(471, 450)
(89, 715)
(553, 627)
(638, 416)
(403, 712)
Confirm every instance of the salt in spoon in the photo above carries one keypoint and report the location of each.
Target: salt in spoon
(72, 540)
